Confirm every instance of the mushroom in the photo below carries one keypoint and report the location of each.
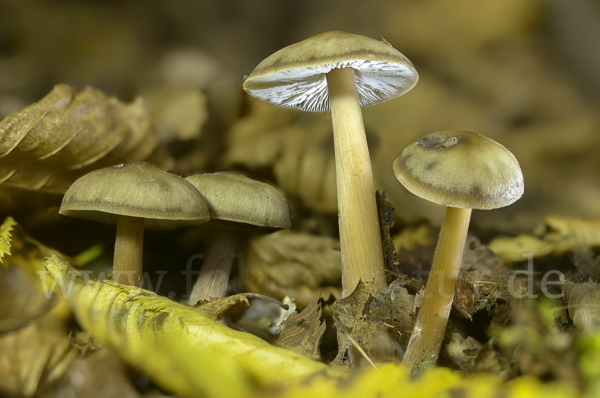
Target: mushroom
(134, 196)
(240, 204)
(463, 171)
(339, 72)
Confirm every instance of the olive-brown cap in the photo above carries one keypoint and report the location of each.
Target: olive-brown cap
(460, 169)
(237, 198)
(295, 75)
(136, 189)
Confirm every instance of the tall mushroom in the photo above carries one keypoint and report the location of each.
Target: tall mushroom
(238, 203)
(339, 72)
(134, 196)
(463, 171)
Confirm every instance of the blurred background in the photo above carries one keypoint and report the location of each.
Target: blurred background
(523, 72)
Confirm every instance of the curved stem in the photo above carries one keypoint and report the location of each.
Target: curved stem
(129, 246)
(360, 236)
(214, 275)
(428, 333)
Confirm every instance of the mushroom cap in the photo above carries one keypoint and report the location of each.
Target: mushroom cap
(295, 75)
(136, 189)
(240, 199)
(460, 169)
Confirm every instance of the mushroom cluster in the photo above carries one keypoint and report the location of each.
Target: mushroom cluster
(134, 196)
(138, 195)
(338, 73)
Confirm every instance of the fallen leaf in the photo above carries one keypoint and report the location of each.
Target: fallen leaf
(393, 309)
(182, 350)
(22, 301)
(302, 332)
(359, 320)
(5, 237)
(100, 374)
(217, 309)
(465, 295)
(386, 214)
(34, 356)
(556, 235)
(518, 248)
(27, 255)
(68, 133)
(288, 263)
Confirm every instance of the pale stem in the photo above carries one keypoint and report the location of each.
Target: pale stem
(360, 236)
(128, 257)
(428, 333)
(214, 275)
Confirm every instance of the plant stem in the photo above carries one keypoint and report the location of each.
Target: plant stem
(128, 257)
(360, 237)
(214, 275)
(428, 333)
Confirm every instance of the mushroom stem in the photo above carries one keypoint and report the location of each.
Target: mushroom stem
(360, 236)
(129, 245)
(214, 275)
(428, 333)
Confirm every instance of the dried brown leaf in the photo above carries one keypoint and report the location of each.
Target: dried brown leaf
(101, 374)
(465, 295)
(298, 265)
(68, 133)
(302, 332)
(34, 356)
(394, 309)
(22, 301)
(217, 309)
(364, 315)
(386, 214)
(351, 326)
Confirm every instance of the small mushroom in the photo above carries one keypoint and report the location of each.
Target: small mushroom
(339, 72)
(463, 171)
(240, 204)
(134, 196)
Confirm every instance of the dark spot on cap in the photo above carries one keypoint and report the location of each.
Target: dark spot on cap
(431, 165)
(441, 141)
(475, 191)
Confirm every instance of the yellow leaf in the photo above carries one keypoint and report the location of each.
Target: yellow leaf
(517, 248)
(182, 350)
(574, 230)
(5, 237)
(411, 237)
(27, 254)
(557, 235)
